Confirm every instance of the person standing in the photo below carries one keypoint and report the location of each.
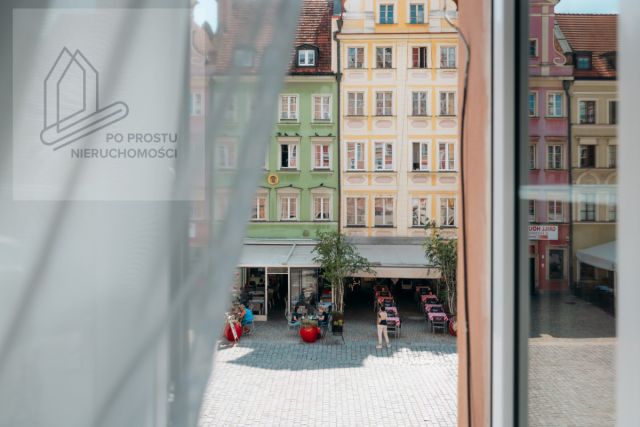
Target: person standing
(382, 327)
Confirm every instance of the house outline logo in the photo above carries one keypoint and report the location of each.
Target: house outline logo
(72, 108)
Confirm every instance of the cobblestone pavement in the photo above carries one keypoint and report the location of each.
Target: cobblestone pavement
(272, 379)
(571, 364)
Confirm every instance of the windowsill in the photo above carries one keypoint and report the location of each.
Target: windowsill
(356, 170)
(355, 68)
(420, 116)
(306, 65)
(289, 121)
(418, 227)
(383, 115)
(355, 226)
(555, 169)
(289, 220)
(448, 226)
(322, 122)
(447, 170)
(321, 220)
(321, 170)
(447, 68)
(447, 116)
(555, 117)
(385, 171)
(288, 170)
(421, 170)
(258, 221)
(421, 68)
(384, 68)
(384, 226)
(415, 23)
(355, 115)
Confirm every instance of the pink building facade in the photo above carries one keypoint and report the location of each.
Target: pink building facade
(548, 145)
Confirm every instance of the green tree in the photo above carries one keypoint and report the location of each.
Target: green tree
(338, 259)
(442, 253)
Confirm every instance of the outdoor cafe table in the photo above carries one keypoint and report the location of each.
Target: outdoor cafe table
(437, 315)
(380, 299)
(426, 298)
(428, 307)
(392, 311)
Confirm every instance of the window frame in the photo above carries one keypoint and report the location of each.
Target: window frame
(384, 209)
(306, 51)
(356, 151)
(427, 210)
(290, 195)
(413, 160)
(609, 109)
(535, 45)
(387, 6)
(314, 154)
(421, 57)
(533, 156)
(355, 198)
(387, 58)
(329, 109)
(554, 214)
(441, 199)
(363, 64)
(582, 120)
(385, 153)
(289, 143)
(410, 14)
(317, 193)
(426, 103)
(562, 106)
(593, 157)
(536, 112)
(260, 195)
(281, 111)
(363, 105)
(448, 59)
(384, 112)
(447, 101)
(561, 155)
(450, 151)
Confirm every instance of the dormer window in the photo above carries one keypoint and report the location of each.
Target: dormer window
(307, 56)
(610, 57)
(583, 61)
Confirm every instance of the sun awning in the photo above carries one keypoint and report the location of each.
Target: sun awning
(388, 260)
(601, 256)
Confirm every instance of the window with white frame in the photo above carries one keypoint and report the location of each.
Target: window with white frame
(587, 156)
(532, 210)
(587, 207)
(321, 107)
(288, 107)
(533, 156)
(533, 104)
(448, 57)
(321, 206)
(288, 206)
(420, 156)
(306, 57)
(554, 211)
(419, 103)
(355, 156)
(355, 57)
(416, 13)
(384, 103)
(554, 156)
(448, 212)
(356, 211)
(383, 212)
(288, 155)
(555, 102)
(446, 156)
(321, 155)
(386, 14)
(355, 103)
(196, 104)
(448, 103)
(384, 57)
(419, 211)
(384, 156)
(225, 155)
(260, 207)
(587, 112)
(613, 112)
(420, 57)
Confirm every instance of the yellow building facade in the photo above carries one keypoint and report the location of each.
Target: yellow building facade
(399, 65)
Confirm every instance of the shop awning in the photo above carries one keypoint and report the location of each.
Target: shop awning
(395, 261)
(601, 256)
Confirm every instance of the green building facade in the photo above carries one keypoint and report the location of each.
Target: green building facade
(299, 192)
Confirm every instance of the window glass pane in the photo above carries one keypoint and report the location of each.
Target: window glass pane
(570, 259)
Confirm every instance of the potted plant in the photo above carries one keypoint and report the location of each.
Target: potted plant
(309, 330)
(338, 259)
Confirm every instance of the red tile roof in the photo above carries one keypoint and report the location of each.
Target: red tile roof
(597, 34)
(314, 28)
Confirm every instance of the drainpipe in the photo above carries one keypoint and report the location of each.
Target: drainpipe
(339, 117)
(566, 85)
